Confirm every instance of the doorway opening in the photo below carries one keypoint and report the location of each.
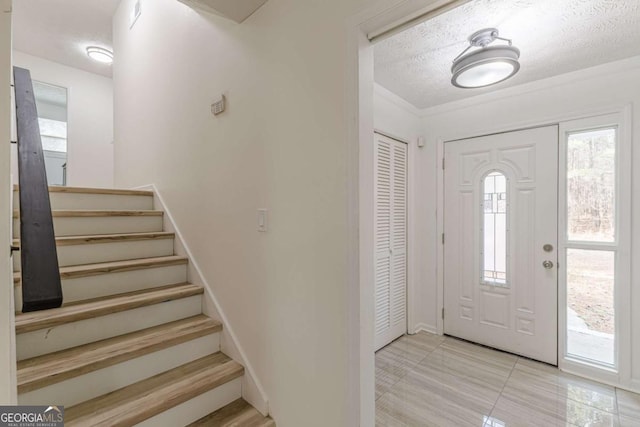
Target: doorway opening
(51, 103)
(73, 92)
(394, 46)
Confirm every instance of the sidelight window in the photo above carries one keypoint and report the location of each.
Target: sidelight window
(591, 244)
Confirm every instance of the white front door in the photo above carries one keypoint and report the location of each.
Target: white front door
(500, 252)
(390, 239)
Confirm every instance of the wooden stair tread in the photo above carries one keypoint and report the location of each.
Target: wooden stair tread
(27, 322)
(86, 190)
(236, 414)
(85, 270)
(55, 367)
(108, 238)
(76, 213)
(142, 400)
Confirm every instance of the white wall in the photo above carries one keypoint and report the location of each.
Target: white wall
(281, 145)
(397, 118)
(7, 329)
(549, 101)
(89, 115)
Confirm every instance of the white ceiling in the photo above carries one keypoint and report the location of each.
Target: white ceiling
(554, 37)
(60, 30)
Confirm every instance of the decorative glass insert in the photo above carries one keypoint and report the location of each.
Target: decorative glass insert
(494, 231)
(591, 180)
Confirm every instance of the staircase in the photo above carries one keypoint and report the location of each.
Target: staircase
(130, 345)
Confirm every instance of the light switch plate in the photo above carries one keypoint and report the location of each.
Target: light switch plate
(262, 220)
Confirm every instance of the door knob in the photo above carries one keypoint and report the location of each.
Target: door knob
(547, 264)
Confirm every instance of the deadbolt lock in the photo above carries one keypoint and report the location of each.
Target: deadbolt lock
(547, 247)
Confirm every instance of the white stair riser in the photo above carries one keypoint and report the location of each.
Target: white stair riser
(44, 341)
(84, 226)
(83, 201)
(111, 378)
(106, 252)
(102, 285)
(196, 408)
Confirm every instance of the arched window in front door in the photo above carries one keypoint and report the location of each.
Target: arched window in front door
(495, 229)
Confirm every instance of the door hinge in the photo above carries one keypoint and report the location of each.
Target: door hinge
(12, 249)
(443, 238)
(443, 163)
(443, 313)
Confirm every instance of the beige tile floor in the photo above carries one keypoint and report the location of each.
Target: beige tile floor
(429, 380)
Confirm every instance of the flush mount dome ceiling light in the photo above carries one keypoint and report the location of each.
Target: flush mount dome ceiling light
(486, 66)
(100, 54)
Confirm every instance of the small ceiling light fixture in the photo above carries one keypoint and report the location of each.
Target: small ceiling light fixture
(100, 54)
(486, 66)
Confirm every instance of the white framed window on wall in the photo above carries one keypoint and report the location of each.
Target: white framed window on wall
(594, 240)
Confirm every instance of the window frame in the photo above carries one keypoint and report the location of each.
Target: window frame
(620, 247)
(565, 206)
(44, 134)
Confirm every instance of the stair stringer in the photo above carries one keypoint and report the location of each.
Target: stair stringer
(252, 389)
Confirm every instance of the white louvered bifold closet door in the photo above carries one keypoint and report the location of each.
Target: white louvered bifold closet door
(390, 240)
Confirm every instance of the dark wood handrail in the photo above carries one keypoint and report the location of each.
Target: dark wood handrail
(41, 287)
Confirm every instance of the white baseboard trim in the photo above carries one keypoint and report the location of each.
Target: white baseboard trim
(252, 390)
(423, 327)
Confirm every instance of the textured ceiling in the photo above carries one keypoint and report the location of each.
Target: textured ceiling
(60, 30)
(554, 37)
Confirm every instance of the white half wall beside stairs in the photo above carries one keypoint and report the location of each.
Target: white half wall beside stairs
(253, 392)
